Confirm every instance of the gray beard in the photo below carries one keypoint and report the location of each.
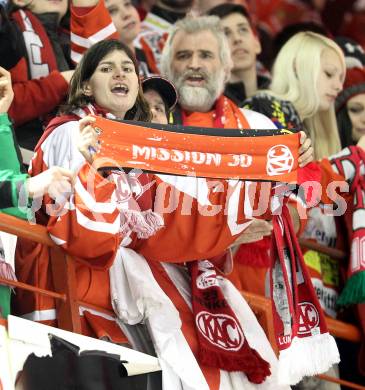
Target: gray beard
(200, 99)
(196, 98)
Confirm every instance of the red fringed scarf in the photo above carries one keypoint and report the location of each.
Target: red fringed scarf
(209, 304)
(222, 343)
(350, 163)
(299, 322)
(316, 352)
(153, 145)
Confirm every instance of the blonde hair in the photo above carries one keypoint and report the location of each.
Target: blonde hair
(294, 78)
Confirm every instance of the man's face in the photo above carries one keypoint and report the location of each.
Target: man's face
(243, 43)
(196, 70)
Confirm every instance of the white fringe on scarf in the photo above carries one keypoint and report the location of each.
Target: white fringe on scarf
(307, 356)
(144, 223)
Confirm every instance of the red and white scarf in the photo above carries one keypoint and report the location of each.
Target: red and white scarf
(350, 163)
(224, 346)
(41, 58)
(208, 301)
(306, 348)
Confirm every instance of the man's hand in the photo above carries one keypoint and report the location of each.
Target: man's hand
(56, 181)
(6, 90)
(306, 152)
(255, 232)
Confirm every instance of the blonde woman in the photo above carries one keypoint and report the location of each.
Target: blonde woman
(307, 76)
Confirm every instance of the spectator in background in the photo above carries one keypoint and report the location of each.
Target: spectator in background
(15, 186)
(245, 47)
(157, 25)
(350, 107)
(127, 22)
(161, 96)
(40, 66)
(354, 53)
(203, 6)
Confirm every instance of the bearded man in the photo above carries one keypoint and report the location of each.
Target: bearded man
(197, 59)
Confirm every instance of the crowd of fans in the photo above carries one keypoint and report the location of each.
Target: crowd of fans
(295, 65)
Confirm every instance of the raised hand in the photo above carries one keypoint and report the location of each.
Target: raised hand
(88, 138)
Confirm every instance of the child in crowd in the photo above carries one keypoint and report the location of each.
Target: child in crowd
(161, 96)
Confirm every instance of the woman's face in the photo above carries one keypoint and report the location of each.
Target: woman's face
(114, 83)
(125, 18)
(330, 79)
(356, 110)
(157, 107)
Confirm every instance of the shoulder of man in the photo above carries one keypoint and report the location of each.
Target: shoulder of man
(257, 120)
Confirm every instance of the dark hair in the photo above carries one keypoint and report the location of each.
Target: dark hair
(227, 9)
(86, 68)
(344, 127)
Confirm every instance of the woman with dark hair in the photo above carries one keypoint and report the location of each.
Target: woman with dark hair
(105, 83)
(350, 107)
(108, 62)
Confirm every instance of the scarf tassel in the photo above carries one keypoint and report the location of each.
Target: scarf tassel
(316, 355)
(144, 223)
(255, 368)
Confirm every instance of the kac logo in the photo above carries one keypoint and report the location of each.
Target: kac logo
(221, 330)
(308, 318)
(280, 160)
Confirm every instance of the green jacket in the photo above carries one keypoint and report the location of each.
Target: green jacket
(11, 177)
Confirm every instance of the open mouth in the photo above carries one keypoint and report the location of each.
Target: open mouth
(120, 90)
(195, 79)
